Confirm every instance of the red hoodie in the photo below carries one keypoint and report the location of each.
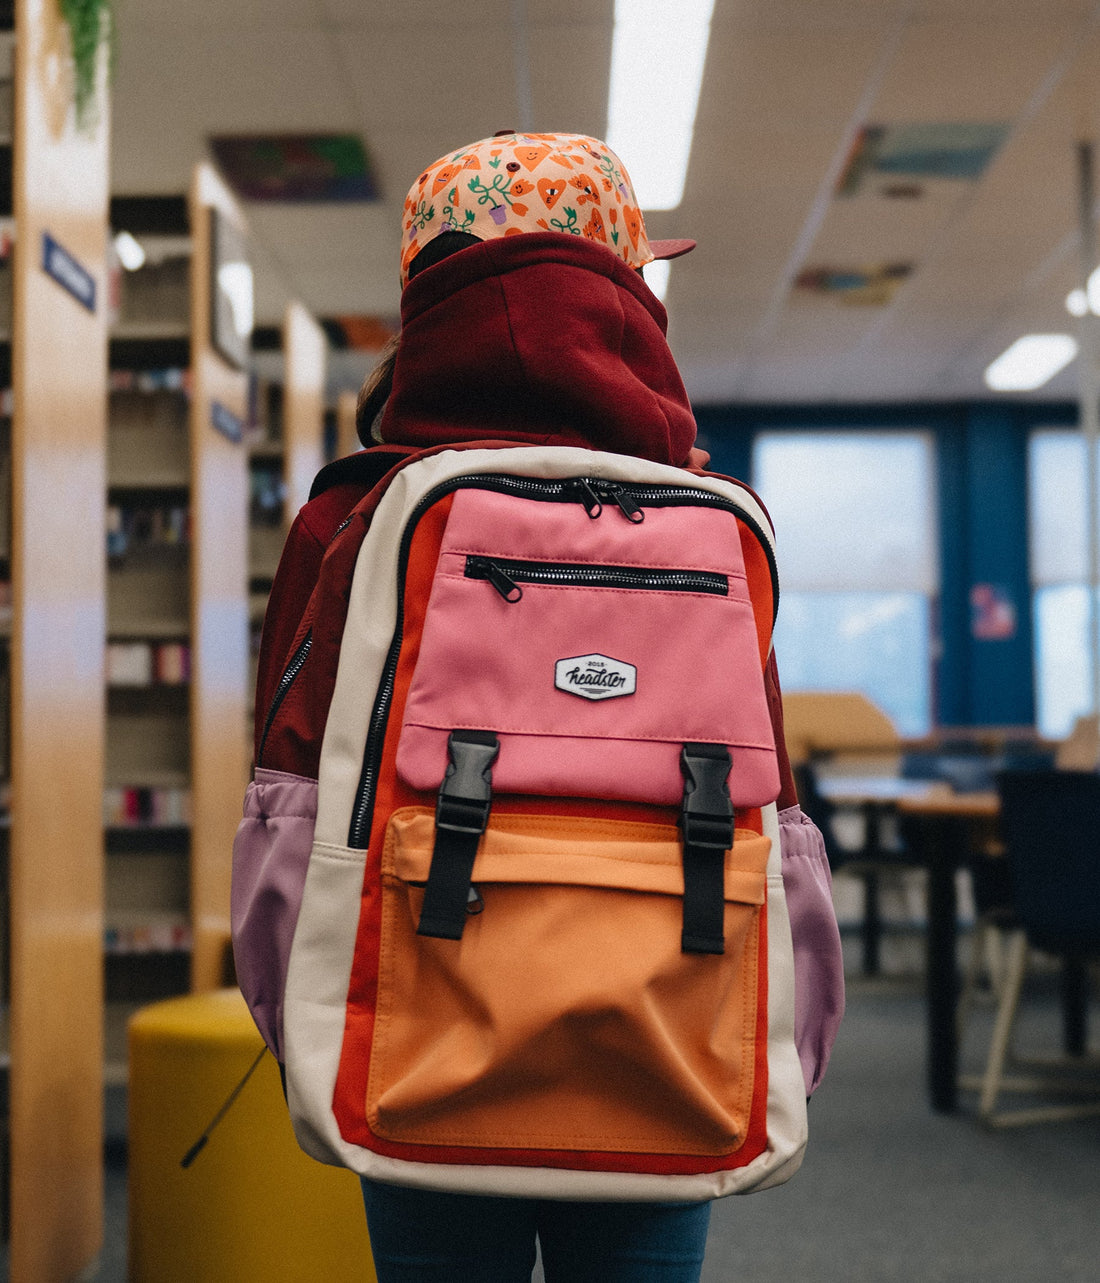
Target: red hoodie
(538, 339)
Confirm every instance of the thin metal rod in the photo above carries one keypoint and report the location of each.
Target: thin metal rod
(1089, 405)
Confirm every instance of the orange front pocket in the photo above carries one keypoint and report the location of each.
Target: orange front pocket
(567, 1017)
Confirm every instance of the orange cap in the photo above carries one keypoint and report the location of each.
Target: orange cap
(515, 183)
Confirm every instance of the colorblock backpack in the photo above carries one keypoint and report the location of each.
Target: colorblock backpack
(508, 898)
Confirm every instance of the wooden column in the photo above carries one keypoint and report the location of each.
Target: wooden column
(304, 353)
(347, 440)
(59, 373)
(219, 600)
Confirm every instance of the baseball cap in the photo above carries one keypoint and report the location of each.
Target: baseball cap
(517, 182)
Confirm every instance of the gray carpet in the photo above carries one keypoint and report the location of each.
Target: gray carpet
(888, 1190)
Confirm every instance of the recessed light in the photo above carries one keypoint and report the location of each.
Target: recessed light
(1030, 362)
(129, 250)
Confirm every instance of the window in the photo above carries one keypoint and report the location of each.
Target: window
(1059, 574)
(858, 570)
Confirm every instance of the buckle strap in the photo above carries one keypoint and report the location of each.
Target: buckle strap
(707, 824)
(461, 816)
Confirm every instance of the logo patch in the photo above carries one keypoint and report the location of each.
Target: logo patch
(595, 677)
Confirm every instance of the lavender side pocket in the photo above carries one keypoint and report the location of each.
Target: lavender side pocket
(270, 859)
(818, 963)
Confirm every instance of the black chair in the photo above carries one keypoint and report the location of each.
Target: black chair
(878, 850)
(1050, 827)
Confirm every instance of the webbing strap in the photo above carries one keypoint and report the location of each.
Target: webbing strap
(707, 825)
(461, 815)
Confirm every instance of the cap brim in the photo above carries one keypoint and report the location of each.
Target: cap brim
(670, 249)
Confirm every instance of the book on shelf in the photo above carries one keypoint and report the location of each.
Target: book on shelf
(158, 935)
(131, 528)
(142, 663)
(268, 492)
(146, 807)
(168, 380)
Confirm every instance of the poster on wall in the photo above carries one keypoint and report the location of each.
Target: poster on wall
(992, 613)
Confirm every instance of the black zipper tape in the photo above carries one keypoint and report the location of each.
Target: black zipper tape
(290, 673)
(506, 574)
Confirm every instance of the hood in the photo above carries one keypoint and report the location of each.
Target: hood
(541, 339)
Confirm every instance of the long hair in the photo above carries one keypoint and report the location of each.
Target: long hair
(374, 394)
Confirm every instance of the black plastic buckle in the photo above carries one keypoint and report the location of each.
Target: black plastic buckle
(466, 793)
(707, 815)
(708, 826)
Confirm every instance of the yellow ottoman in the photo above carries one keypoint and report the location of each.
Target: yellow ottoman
(251, 1206)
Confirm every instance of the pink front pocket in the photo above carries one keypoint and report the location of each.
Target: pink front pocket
(593, 648)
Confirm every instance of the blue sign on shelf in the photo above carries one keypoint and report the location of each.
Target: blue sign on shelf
(226, 422)
(58, 263)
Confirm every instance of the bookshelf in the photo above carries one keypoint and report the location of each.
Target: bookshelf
(347, 439)
(177, 637)
(218, 576)
(57, 341)
(285, 452)
(146, 797)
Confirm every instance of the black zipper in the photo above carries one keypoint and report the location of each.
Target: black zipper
(588, 491)
(293, 668)
(506, 575)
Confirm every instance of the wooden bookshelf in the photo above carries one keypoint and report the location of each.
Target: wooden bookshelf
(347, 440)
(219, 599)
(146, 797)
(176, 657)
(305, 349)
(59, 366)
(285, 454)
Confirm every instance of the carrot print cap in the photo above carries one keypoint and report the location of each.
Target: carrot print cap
(514, 183)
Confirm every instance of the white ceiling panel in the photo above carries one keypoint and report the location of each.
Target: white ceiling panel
(569, 66)
(982, 71)
(250, 15)
(162, 118)
(401, 75)
(788, 83)
(767, 79)
(429, 17)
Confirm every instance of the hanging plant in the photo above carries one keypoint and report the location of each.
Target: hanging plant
(90, 23)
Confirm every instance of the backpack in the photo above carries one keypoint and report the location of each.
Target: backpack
(508, 902)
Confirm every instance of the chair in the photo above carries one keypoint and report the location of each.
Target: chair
(877, 851)
(1080, 750)
(838, 724)
(1050, 826)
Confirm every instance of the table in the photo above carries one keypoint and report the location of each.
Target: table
(875, 797)
(940, 827)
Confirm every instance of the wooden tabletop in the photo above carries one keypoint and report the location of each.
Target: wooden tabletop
(941, 799)
(913, 797)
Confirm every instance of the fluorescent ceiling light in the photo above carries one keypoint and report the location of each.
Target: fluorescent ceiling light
(130, 253)
(1030, 362)
(656, 276)
(657, 59)
(1078, 302)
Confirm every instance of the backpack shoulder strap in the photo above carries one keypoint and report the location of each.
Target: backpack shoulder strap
(365, 468)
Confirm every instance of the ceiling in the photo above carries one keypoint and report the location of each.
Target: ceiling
(788, 88)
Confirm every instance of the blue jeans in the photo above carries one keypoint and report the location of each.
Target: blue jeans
(418, 1236)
